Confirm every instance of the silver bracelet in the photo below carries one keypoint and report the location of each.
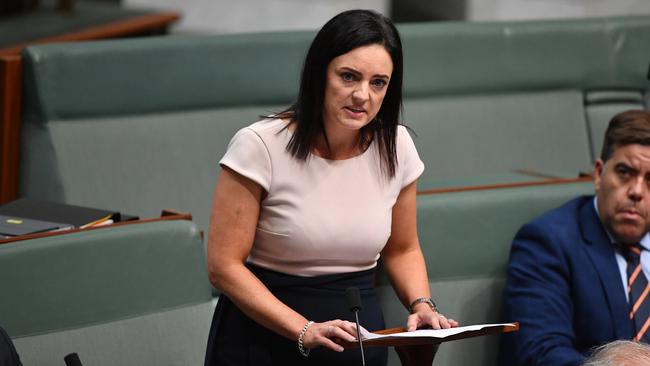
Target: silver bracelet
(420, 300)
(301, 347)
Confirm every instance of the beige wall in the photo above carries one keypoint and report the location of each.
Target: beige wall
(516, 9)
(234, 16)
(538, 9)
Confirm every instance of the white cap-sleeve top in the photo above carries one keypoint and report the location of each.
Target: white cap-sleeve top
(319, 216)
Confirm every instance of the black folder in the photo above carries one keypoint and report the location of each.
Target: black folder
(14, 226)
(54, 212)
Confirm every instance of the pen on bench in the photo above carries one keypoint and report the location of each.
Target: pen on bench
(96, 222)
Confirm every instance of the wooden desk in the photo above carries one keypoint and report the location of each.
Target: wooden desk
(85, 23)
(112, 22)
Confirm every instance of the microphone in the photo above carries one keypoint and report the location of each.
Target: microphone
(72, 360)
(354, 303)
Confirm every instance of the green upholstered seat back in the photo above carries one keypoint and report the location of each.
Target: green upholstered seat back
(161, 74)
(479, 136)
(601, 106)
(119, 290)
(465, 238)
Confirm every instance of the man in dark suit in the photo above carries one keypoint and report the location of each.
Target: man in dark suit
(567, 276)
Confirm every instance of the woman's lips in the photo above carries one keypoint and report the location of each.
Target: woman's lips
(356, 112)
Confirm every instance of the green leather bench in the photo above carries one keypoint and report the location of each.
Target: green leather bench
(465, 237)
(136, 294)
(140, 124)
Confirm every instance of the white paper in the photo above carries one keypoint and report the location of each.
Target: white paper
(430, 333)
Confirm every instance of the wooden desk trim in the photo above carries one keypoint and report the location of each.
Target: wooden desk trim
(534, 173)
(10, 123)
(138, 25)
(11, 86)
(543, 182)
(164, 217)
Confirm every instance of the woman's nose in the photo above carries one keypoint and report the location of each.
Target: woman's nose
(360, 94)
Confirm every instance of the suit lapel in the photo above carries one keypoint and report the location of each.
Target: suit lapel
(601, 252)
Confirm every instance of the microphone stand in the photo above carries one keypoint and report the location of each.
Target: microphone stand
(354, 302)
(363, 357)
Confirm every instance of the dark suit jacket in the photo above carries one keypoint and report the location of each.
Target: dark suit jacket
(564, 288)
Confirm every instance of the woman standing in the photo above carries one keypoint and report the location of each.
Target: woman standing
(307, 202)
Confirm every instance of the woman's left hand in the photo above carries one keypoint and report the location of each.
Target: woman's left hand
(424, 317)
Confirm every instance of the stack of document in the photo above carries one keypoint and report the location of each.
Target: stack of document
(441, 334)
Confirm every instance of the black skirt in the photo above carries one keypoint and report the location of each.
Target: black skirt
(236, 340)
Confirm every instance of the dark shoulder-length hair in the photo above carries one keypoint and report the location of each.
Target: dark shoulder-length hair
(343, 33)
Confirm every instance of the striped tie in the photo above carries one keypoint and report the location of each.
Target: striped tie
(637, 290)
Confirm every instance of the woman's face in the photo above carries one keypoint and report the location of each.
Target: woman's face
(355, 86)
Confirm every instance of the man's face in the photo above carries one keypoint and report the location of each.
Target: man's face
(623, 191)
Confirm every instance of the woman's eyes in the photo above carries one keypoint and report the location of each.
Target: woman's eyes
(380, 83)
(348, 77)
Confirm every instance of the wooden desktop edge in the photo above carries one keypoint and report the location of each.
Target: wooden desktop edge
(534, 173)
(133, 26)
(428, 340)
(166, 215)
(543, 182)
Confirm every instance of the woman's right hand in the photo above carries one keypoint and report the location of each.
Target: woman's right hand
(325, 334)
